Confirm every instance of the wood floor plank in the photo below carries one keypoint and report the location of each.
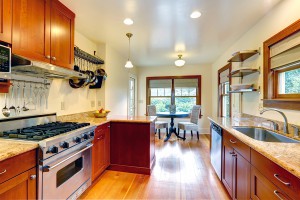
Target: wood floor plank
(182, 171)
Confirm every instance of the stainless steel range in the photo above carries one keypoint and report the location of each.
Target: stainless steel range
(64, 153)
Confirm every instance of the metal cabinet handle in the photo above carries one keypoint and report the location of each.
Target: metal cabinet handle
(231, 152)
(277, 194)
(108, 126)
(3, 172)
(232, 141)
(285, 183)
(48, 168)
(48, 56)
(54, 58)
(32, 177)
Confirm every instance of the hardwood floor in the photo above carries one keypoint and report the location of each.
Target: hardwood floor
(182, 171)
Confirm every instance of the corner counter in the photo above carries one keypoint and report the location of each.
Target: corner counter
(11, 148)
(286, 155)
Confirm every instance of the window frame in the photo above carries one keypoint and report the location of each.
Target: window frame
(276, 84)
(270, 77)
(220, 92)
(198, 95)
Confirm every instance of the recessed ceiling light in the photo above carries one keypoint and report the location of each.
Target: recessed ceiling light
(195, 14)
(128, 21)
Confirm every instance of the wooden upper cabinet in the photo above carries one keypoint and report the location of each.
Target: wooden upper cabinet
(43, 30)
(5, 20)
(62, 35)
(31, 29)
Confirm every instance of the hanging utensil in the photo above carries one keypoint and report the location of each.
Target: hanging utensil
(12, 107)
(18, 109)
(24, 108)
(5, 110)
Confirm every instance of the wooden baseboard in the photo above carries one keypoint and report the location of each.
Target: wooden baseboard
(130, 169)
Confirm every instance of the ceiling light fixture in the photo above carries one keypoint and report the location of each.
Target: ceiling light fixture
(128, 21)
(129, 63)
(179, 62)
(195, 15)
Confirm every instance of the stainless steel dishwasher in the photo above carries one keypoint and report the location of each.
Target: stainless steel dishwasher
(216, 148)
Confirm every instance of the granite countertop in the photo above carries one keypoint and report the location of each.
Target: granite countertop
(286, 155)
(10, 148)
(89, 117)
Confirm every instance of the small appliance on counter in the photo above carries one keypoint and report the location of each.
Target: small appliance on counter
(64, 157)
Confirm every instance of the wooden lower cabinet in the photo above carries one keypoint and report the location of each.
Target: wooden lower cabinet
(227, 168)
(242, 176)
(101, 150)
(22, 186)
(235, 173)
(132, 147)
(262, 188)
(247, 174)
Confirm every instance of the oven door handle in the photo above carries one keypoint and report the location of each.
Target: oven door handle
(48, 168)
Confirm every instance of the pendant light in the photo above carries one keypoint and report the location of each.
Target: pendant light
(128, 63)
(179, 62)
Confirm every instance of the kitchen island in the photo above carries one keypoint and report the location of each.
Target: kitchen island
(132, 140)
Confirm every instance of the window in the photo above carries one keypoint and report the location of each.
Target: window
(184, 91)
(224, 108)
(282, 69)
(288, 82)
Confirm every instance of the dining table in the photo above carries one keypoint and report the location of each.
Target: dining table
(172, 116)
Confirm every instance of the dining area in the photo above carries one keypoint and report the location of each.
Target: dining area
(190, 125)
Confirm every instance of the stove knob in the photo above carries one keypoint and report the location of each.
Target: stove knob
(86, 136)
(92, 134)
(77, 140)
(64, 145)
(52, 149)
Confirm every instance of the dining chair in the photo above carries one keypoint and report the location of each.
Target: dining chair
(151, 110)
(192, 125)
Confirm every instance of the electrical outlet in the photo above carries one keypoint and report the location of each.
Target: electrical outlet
(62, 105)
(92, 104)
(99, 103)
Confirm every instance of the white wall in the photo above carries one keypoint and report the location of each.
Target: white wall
(204, 70)
(284, 14)
(116, 92)
(75, 100)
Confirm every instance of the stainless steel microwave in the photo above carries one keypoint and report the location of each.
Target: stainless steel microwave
(5, 59)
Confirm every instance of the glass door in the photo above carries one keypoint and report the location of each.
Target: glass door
(131, 96)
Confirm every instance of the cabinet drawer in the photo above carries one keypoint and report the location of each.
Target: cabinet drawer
(289, 183)
(16, 165)
(239, 146)
(262, 188)
(100, 130)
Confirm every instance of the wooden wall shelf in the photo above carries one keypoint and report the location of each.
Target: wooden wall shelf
(243, 72)
(241, 56)
(244, 91)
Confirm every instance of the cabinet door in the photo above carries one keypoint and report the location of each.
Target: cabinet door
(98, 153)
(262, 188)
(227, 167)
(31, 29)
(107, 145)
(62, 35)
(241, 185)
(5, 20)
(22, 186)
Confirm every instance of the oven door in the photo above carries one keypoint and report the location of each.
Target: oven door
(67, 177)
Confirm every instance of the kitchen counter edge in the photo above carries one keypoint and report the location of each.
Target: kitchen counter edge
(286, 155)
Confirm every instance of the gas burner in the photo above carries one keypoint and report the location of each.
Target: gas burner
(43, 131)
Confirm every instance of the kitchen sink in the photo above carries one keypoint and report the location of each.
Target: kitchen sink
(265, 135)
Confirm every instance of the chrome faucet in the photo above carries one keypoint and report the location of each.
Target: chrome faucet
(285, 125)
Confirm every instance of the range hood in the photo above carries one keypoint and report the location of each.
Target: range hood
(23, 66)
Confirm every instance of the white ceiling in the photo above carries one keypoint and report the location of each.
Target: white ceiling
(162, 28)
